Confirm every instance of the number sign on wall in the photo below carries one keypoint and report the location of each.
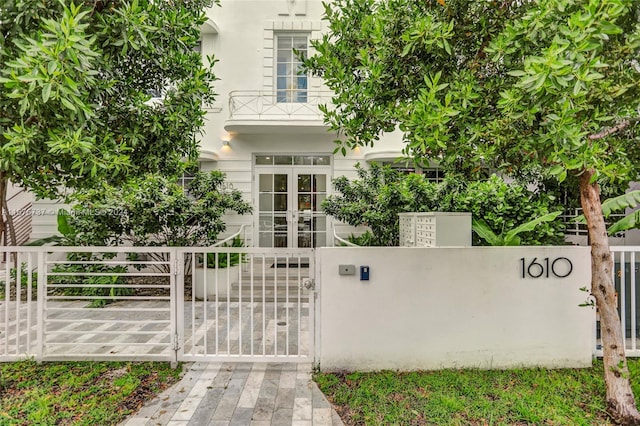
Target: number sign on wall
(559, 267)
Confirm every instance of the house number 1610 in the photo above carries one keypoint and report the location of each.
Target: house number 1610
(560, 267)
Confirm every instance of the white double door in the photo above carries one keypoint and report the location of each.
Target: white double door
(289, 210)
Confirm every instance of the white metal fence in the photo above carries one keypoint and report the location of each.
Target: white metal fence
(626, 276)
(159, 303)
(78, 303)
(143, 303)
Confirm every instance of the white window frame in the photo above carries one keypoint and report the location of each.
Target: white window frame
(292, 93)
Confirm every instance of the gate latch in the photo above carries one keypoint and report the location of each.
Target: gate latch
(309, 284)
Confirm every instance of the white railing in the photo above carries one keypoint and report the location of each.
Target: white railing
(573, 227)
(342, 240)
(626, 277)
(156, 303)
(87, 303)
(231, 237)
(256, 104)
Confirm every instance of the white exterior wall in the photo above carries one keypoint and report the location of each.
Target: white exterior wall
(244, 46)
(432, 308)
(44, 218)
(21, 209)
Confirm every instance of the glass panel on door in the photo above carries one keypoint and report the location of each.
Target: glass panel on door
(273, 217)
(312, 223)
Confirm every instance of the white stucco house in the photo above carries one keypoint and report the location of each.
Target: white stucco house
(266, 131)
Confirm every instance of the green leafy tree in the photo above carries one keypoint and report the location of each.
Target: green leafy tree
(76, 83)
(545, 84)
(156, 211)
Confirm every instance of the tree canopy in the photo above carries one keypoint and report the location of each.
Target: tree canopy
(506, 84)
(77, 80)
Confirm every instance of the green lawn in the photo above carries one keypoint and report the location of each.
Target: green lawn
(472, 397)
(78, 393)
(105, 393)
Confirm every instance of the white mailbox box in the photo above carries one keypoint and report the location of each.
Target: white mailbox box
(435, 229)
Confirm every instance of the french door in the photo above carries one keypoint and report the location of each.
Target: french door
(289, 202)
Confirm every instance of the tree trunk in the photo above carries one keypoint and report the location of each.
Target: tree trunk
(10, 227)
(621, 403)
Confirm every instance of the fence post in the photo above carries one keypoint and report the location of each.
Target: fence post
(7, 299)
(40, 315)
(174, 266)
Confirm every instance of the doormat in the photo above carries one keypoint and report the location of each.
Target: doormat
(290, 265)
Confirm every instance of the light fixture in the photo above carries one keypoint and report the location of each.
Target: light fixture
(225, 143)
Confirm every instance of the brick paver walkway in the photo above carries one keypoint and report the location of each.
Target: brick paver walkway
(257, 394)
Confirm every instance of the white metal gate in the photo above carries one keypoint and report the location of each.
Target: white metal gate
(252, 304)
(157, 303)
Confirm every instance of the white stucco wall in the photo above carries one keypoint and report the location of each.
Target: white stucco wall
(431, 308)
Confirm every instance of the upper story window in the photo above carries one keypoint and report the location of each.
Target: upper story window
(291, 82)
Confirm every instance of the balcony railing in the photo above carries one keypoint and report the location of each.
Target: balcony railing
(261, 105)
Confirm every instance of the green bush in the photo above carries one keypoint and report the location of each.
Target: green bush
(376, 197)
(156, 211)
(504, 206)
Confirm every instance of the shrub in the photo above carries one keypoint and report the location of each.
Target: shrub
(504, 206)
(156, 211)
(376, 197)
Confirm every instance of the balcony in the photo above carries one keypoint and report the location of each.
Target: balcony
(257, 111)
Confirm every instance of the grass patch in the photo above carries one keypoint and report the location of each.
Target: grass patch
(472, 397)
(78, 393)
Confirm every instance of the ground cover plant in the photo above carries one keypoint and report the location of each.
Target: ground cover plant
(78, 393)
(473, 397)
